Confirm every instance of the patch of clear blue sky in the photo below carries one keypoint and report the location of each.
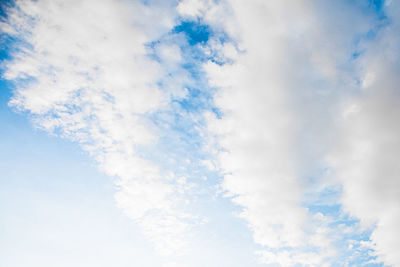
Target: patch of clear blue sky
(376, 8)
(3, 5)
(377, 5)
(195, 32)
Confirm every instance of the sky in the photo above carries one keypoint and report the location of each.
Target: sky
(188, 133)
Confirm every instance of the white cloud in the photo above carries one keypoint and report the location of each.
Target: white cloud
(83, 70)
(257, 132)
(192, 8)
(276, 98)
(366, 154)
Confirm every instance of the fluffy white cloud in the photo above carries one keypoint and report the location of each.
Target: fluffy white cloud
(277, 99)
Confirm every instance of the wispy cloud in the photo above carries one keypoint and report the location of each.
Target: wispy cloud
(85, 71)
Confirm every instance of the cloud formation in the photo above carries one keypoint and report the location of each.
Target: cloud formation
(84, 71)
(280, 101)
(294, 108)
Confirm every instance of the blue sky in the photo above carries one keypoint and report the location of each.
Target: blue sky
(223, 133)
